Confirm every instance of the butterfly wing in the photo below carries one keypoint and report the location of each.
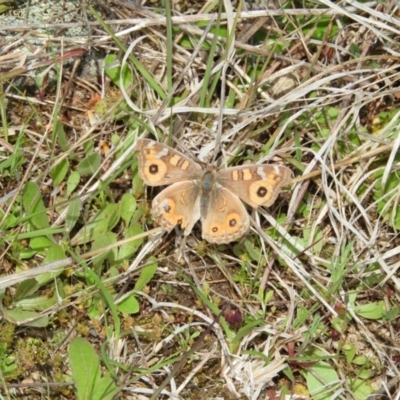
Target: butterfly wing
(160, 164)
(178, 204)
(226, 218)
(257, 185)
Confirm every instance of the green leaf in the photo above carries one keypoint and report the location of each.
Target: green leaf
(114, 72)
(40, 243)
(7, 362)
(254, 253)
(129, 305)
(360, 360)
(73, 213)
(26, 254)
(137, 185)
(89, 165)
(61, 136)
(319, 378)
(55, 253)
(362, 389)
(13, 161)
(26, 288)
(73, 182)
(127, 250)
(355, 50)
(59, 172)
(333, 112)
(246, 329)
(316, 239)
(99, 225)
(371, 310)
(146, 275)
(128, 207)
(3, 8)
(365, 374)
(10, 221)
(350, 352)
(34, 206)
(38, 303)
(104, 389)
(388, 206)
(85, 367)
(19, 316)
(88, 147)
(101, 242)
(392, 314)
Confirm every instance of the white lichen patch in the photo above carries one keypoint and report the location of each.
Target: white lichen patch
(28, 15)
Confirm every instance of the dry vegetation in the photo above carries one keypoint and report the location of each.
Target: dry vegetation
(96, 304)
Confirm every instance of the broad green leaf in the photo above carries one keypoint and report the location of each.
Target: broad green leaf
(99, 225)
(10, 221)
(34, 206)
(317, 239)
(319, 379)
(137, 215)
(392, 314)
(89, 165)
(73, 182)
(129, 305)
(128, 207)
(38, 303)
(12, 162)
(146, 275)
(40, 243)
(253, 252)
(59, 172)
(55, 253)
(3, 8)
(104, 389)
(350, 352)
(26, 288)
(26, 254)
(246, 330)
(360, 360)
(111, 70)
(371, 310)
(114, 72)
(362, 389)
(73, 213)
(127, 250)
(365, 374)
(88, 147)
(61, 136)
(21, 316)
(355, 50)
(101, 242)
(85, 367)
(96, 308)
(137, 185)
(333, 112)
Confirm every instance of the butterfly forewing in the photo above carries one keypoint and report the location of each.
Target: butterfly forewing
(161, 165)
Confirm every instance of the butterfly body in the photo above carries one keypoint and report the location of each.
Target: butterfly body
(205, 194)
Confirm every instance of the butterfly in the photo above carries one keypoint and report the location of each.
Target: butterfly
(203, 193)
